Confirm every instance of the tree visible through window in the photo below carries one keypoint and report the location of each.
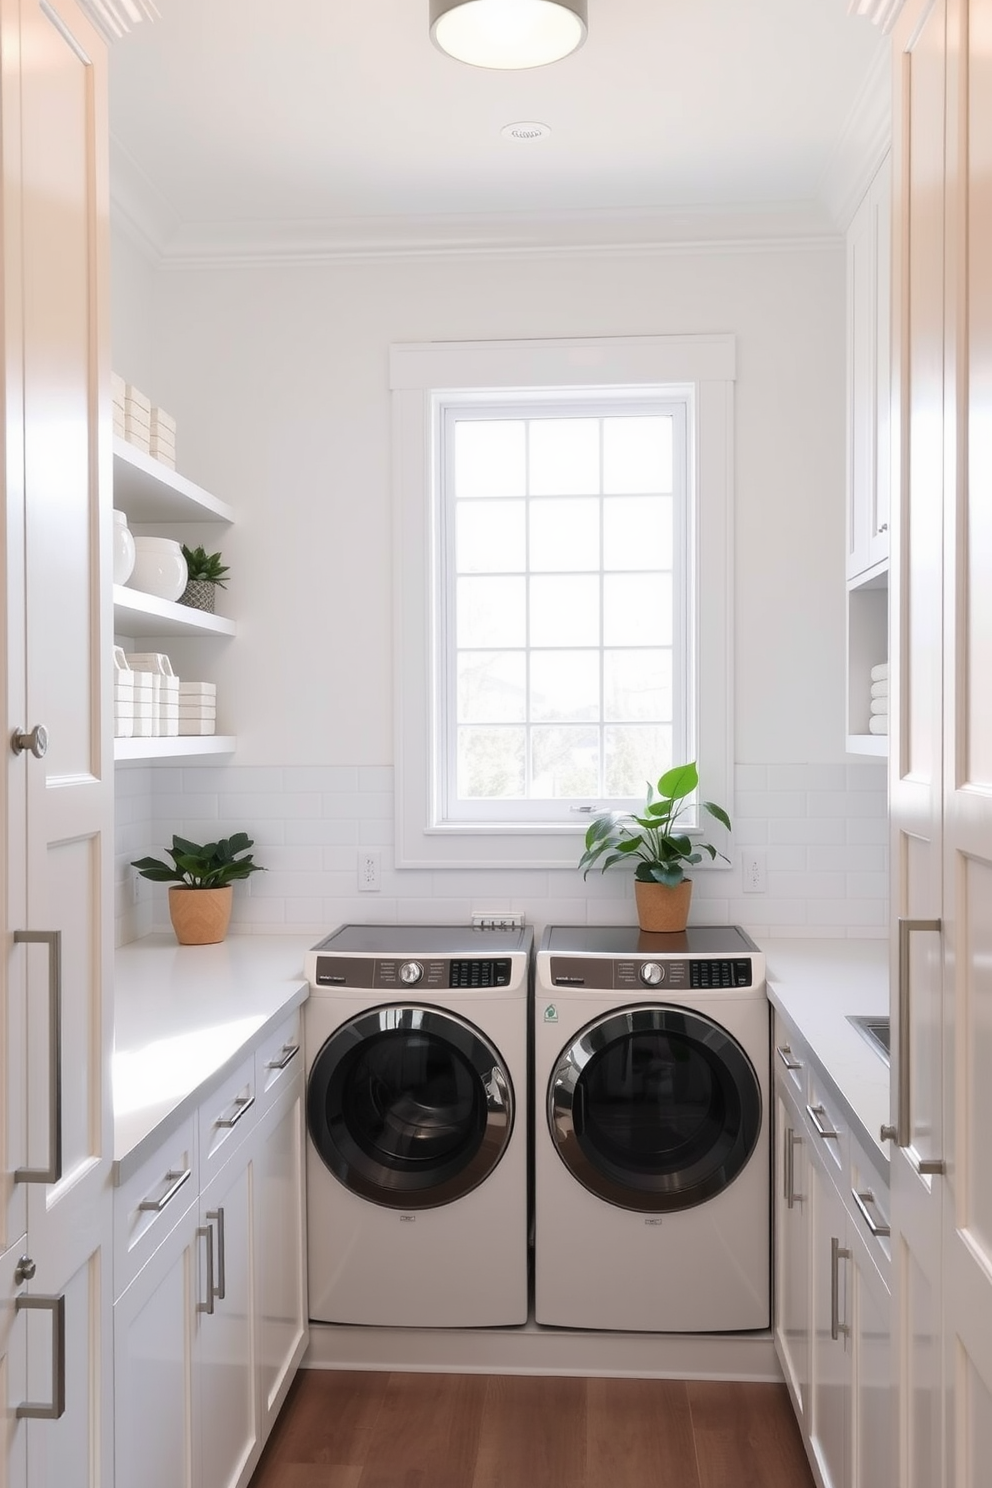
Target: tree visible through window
(565, 535)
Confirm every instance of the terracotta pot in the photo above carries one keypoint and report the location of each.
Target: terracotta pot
(200, 916)
(661, 908)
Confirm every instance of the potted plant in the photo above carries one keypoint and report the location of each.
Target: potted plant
(205, 571)
(202, 878)
(661, 851)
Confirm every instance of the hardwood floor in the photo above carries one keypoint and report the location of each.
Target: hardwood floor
(363, 1430)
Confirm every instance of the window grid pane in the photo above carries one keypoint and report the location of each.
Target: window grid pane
(572, 695)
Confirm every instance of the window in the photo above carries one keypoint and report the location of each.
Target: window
(557, 503)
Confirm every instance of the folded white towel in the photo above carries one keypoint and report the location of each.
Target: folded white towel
(879, 724)
(880, 689)
(880, 673)
(880, 705)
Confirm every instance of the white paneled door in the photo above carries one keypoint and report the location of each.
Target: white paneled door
(60, 781)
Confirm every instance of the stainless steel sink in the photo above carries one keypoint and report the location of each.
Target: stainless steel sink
(875, 1031)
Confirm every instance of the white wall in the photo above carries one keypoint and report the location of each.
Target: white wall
(132, 284)
(278, 379)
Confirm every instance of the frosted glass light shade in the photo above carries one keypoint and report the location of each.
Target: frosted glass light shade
(508, 33)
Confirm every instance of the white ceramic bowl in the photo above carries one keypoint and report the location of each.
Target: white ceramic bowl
(159, 567)
(123, 548)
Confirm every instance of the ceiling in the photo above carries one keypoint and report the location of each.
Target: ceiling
(267, 121)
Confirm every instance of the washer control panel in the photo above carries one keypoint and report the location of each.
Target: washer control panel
(633, 974)
(395, 973)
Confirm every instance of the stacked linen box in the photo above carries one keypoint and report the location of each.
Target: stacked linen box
(162, 437)
(137, 417)
(878, 723)
(197, 707)
(133, 702)
(164, 685)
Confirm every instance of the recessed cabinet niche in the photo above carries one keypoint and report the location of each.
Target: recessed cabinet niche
(160, 500)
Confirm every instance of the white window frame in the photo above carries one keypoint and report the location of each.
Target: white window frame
(704, 368)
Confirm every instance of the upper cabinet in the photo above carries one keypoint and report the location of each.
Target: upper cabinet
(868, 377)
(159, 499)
(869, 465)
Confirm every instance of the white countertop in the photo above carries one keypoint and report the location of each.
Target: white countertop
(815, 984)
(184, 1016)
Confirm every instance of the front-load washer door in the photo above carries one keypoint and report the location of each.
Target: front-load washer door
(410, 1107)
(654, 1108)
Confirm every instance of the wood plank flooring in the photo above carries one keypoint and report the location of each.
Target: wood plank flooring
(350, 1429)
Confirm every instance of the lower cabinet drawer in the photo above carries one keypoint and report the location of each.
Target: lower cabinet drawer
(226, 1117)
(149, 1205)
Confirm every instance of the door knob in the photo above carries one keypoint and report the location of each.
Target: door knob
(36, 741)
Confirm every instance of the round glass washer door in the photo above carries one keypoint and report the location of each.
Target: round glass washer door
(410, 1107)
(654, 1108)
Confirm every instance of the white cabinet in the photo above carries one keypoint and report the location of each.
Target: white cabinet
(792, 1308)
(163, 502)
(869, 455)
(56, 803)
(831, 1368)
(210, 1319)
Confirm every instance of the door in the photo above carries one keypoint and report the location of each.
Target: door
(409, 1107)
(792, 1253)
(916, 597)
(654, 1108)
(830, 1296)
(280, 1250)
(224, 1394)
(967, 888)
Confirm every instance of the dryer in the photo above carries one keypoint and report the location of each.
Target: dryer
(416, 1047)
(652, 1154)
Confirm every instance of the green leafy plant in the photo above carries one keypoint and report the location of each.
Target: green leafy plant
(204, 565)
(653, 840)
(195, 866)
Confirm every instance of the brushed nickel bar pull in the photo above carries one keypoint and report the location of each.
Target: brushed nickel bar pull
(784, 1053)
(56, 1306)
(220, 1290)
(814, 1113)
(793, 1140)
(53, 940)
(863, 1200)
(155, 1206)
(286, 1053)
(243, 1105)
(206, 1232)
(903, 1107)
(838, 1253)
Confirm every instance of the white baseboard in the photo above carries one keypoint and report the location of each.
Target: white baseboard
(536, 1350)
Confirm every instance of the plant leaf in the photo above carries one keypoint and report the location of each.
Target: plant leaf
(679, 781)
(719, 813)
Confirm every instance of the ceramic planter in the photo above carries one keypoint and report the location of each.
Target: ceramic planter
(200, 916)
(660, 908)
(199, 594)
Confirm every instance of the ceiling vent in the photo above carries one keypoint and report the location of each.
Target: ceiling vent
(526, 129)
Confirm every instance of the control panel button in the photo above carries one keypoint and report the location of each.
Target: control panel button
(411, 973)
(652, 973)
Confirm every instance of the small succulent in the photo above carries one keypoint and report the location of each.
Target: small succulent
(210, 866)
(204, 565)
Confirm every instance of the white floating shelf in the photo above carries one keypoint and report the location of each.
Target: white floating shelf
(173, 746)
(150, 492)
(868, 744)
(137, 614)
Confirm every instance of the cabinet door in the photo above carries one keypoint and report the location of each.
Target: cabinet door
(224, 1388)
(868, 377)
(792, 1308)
(13, 1369)
(154, 1325)
(830, 1386)
(915, 743)
(280, 1251)
(873, 1403)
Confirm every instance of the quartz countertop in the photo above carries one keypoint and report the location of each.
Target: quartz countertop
(184, 1017)
(815, 984)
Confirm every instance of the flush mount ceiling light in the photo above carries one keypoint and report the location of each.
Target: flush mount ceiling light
(508, 33)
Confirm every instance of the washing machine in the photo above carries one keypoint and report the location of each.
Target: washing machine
(417, 1179)
(652, 1153)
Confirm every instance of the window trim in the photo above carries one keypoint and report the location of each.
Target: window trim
(420, 372)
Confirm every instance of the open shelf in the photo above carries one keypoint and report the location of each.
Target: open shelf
(150, 492)
(173, 746)
(137, 614)
(867, 644)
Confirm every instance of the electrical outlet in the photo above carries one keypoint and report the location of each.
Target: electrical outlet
(368, 870)
(135, 886)
(753, 872)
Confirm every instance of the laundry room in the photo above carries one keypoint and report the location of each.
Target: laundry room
(499, 453)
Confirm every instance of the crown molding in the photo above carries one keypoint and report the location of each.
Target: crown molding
(863, 144)
(139, 209)
(115, 18)
(175, 245)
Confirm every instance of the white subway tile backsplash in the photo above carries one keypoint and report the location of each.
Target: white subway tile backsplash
(823, 828)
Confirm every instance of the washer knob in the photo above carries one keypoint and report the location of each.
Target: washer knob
(652, 972)
(410, 973)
